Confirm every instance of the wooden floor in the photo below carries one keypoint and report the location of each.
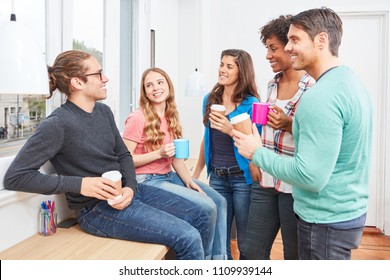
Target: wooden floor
(374, 246)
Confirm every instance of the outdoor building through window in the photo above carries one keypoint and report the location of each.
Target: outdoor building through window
(20, 114)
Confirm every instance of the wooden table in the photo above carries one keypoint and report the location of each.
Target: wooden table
(74, 244)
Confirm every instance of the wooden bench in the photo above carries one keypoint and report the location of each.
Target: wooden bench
(74, 244)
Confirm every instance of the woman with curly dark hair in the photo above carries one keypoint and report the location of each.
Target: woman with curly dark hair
(271, 206)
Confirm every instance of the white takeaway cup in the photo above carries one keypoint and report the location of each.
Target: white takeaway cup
(116, 177)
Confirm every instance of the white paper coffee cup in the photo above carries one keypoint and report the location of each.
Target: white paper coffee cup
(242, 123)
(218, 108)
(116, 177)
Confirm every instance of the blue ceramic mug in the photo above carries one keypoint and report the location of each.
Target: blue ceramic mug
(182, 148)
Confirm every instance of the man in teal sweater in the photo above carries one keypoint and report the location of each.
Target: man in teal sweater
(332, 130)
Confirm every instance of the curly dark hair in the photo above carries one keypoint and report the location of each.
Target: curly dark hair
(277, 27)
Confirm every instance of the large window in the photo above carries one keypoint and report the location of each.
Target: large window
(21, 113)
(80, 24)
(88, 27)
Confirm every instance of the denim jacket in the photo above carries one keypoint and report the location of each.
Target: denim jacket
(243, 163)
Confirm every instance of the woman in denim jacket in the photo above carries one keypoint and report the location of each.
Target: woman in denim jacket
(229, 171)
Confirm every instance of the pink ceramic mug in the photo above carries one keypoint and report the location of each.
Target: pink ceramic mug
(259, 112)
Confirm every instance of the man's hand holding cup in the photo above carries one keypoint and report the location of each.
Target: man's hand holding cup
(247, 144)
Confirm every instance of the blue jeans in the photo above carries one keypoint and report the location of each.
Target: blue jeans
(270, 211)
(213, 203)
(329, 241)
(237, 194)
(154, 216)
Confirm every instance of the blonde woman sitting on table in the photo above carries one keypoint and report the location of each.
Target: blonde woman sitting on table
(149, 133)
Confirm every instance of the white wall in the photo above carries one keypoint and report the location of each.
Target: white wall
(19, 215)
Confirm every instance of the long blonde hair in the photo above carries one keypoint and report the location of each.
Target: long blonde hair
(154, 135)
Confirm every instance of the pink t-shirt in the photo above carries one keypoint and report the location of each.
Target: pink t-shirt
(134, 131)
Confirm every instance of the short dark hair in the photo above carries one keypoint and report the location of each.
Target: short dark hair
(276, 28)
(315, 21)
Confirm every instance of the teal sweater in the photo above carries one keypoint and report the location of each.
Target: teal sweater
(332, 131)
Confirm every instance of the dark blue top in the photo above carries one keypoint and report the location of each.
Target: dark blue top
(222, 152)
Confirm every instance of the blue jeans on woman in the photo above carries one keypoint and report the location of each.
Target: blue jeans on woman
(214, 203)
(153, 216)
(270, 211)
(237, 194)
(329, 241)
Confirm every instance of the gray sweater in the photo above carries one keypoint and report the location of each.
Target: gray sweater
(78, 144)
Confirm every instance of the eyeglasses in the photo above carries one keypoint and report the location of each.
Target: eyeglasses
(100, 73)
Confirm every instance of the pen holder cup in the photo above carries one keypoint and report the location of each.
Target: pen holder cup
(47, 222)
